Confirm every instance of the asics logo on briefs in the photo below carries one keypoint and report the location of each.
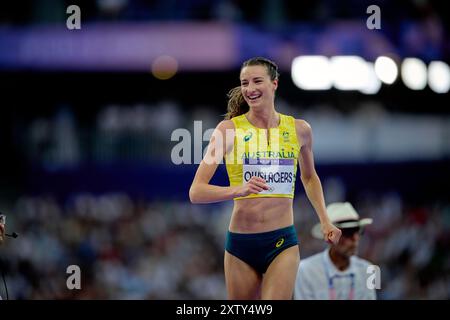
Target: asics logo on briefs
(279, 243)
(248, 137)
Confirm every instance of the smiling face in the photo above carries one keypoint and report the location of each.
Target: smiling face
(256, 86)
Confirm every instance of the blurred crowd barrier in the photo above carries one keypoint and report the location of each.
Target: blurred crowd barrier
(136, 249)
(126, 249)
(268, 12)
(143, 132)
(163, 47)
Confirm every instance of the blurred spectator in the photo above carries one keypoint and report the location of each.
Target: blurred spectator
(135, 249)
(337, 272)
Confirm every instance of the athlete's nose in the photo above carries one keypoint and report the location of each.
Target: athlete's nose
(250, 88)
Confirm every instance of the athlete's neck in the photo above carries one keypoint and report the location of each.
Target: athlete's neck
(266, 118)
(341, 261)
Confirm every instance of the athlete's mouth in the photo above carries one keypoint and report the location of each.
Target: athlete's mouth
(254, 96)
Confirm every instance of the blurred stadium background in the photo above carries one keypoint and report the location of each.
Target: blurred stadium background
(87, 117)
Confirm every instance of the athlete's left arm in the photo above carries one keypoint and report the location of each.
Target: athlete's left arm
(311, 181)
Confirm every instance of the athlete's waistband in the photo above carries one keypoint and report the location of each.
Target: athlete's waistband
(260, 235)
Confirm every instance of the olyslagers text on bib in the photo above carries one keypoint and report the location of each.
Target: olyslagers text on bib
(278, 173)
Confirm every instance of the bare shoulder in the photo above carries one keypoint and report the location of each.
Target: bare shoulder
(304, 131)
(302, 126)
(225, 125)
(225, 130)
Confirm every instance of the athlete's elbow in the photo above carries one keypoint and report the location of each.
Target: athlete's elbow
(308, 178)
(193, 195)
(305, 180)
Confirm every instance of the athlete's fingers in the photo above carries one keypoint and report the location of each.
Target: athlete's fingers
(333, 236)
(260, 185)
(255, 189)
(259, 179)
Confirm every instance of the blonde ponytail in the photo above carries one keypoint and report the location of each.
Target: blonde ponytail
(236, 103)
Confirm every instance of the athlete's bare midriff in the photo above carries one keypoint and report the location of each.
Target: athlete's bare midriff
(261, 215)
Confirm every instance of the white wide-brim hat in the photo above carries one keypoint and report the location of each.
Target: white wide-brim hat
(342, 215)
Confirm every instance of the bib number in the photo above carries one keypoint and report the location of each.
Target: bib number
(278, 173)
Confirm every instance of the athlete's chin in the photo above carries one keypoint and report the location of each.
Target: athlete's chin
(254, 104)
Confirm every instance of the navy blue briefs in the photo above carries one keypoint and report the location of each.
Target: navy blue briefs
(259, 249)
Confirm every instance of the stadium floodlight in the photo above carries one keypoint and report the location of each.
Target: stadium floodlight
(349, 72)
(439, 76)
(373, 84)
(312, 73)
(164, 67)
(414, 73)
(386, 69)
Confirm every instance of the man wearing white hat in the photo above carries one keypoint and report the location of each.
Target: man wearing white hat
(336, 273)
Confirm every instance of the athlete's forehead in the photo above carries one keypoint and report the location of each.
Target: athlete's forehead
(253, 72)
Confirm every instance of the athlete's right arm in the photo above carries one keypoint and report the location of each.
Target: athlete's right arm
(222, 142)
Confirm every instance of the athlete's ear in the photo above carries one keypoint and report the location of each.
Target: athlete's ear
(275, 84)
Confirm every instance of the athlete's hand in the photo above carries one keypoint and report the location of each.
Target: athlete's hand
(331, 233)
(254, 185)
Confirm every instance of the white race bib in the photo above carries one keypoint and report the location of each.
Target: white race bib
(278, 173)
